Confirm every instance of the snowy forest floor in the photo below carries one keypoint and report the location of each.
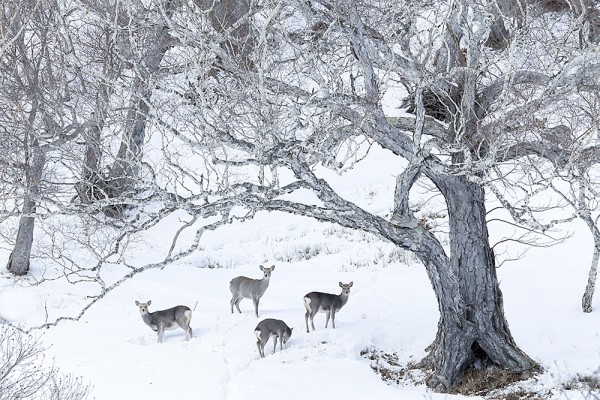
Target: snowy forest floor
(391, 311)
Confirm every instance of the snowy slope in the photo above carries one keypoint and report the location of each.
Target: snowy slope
(391, 308)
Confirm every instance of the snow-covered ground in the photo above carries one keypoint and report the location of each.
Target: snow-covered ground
(391, 308)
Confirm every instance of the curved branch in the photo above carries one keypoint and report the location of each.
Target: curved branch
(557, 155)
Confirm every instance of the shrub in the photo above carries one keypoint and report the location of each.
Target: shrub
(24, 374)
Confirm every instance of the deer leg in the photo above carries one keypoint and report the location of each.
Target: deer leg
(312, 318)
(256, 300)
(274, 343)
(260, 347)
(281, 341)
(186, 328)
(327, 314)
(333, 318)
(237, 304)
(306, 319)
(232, 303)
(161, 332)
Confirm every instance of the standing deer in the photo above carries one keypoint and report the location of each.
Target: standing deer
(275, 328)
(315, 302)
(162, 320)
(249, 288)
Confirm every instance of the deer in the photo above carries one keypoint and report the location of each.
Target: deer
(315, 302)
(242, 287)
(275, 328)
(159, 321)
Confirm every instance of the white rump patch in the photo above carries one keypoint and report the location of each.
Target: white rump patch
(307, 302)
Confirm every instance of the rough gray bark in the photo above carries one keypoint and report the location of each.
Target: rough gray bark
(472, 327)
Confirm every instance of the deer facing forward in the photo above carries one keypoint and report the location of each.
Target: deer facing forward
(159, 321)
(242, 287)
(315, 302)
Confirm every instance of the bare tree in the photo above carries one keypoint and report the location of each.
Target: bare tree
(38, 115)
(130, 39)
(582, 196)
(484, 100)
(585, 205)
(65, 79)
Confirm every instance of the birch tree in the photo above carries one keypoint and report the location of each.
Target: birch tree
(582, 195)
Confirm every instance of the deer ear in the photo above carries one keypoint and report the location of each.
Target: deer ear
(149, 302)
(351, 283)
(137, 303)
(262, 268)
(341, 284)
(272, 267)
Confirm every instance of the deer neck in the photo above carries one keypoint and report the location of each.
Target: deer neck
(147, 318)
(264, 282)
(343, 298)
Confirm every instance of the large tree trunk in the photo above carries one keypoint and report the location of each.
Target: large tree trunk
(472, 330)
(18, 262)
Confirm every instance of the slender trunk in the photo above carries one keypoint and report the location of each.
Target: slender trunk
(585, 215)
(588, 294)
(472, 330)
(91, 186)
(125, 169)
(18, 262)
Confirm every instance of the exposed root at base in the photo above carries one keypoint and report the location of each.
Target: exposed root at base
(490, 382)
(494, 383)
